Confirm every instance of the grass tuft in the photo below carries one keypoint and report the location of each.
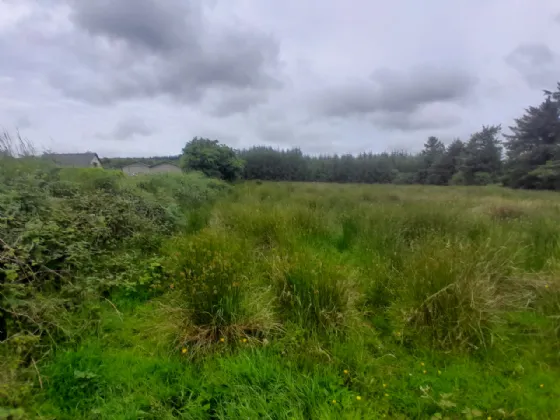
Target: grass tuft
(312, 293)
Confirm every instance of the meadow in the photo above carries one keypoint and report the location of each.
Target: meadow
(311, 301)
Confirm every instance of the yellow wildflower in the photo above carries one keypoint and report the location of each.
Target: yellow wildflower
(334, 401)
(421, 363)
(184, 350)
(439, 372)
(222, 340)
(541, 385)
(345, 371)
(244, 340)
(386, 395)
(424, 372)
(358, 398)
(384, 385)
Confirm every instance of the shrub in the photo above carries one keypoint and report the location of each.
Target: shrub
(482, 178)
(405, 178)
(92, 179)
(60, 227)
(458, 178)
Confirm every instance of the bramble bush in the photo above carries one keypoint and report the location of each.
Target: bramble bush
(67, 233)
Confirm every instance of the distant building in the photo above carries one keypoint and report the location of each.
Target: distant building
(141, 168)
(165, 167)
(136, 168)
(75, 160)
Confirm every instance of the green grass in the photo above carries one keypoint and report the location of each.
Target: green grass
(325, 301)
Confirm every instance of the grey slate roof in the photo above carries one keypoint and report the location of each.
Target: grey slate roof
(151, 166)
(136, 164)
(164, 163)
(77, 160)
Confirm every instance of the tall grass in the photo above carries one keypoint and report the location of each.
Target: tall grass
(317, 301)
(14, 147)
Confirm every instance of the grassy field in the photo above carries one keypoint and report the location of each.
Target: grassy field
(324, 301)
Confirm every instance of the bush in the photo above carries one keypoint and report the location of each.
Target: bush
(58, 227)
(405, 178)
(92, 179)
(482, 178)
(212, 158)
(458, 178)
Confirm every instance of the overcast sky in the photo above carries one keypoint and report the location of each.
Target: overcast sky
(142, 77)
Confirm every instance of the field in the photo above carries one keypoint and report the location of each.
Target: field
(322, 301)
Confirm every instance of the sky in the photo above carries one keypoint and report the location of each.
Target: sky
(143, 77)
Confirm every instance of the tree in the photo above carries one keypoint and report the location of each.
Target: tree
(447, 165)
(215, 160)
(482, 161)
(535, 140)
(434, 149)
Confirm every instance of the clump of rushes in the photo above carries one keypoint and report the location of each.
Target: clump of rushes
(211, 272)
(311, 292)
(451, 293)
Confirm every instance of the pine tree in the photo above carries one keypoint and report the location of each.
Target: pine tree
(535, 141)
(482, 160)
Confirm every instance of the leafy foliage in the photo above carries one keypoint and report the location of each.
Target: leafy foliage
(60, 230)
(213, 159)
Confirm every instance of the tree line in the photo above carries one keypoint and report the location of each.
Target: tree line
(527, 157)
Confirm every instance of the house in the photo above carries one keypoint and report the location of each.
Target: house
(165, 167)
(136, 168)
(141, 168)
(75, 160)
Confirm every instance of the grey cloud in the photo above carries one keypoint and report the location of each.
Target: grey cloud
(391, 91)
(412, 122)
(128, 129)
(276, 134)
(234, 102)
(23, 122)
(133, 49)
(311, 139)
(68, 65)
(531, 54)
(140, 22)
(392, 99)
(537, 63)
